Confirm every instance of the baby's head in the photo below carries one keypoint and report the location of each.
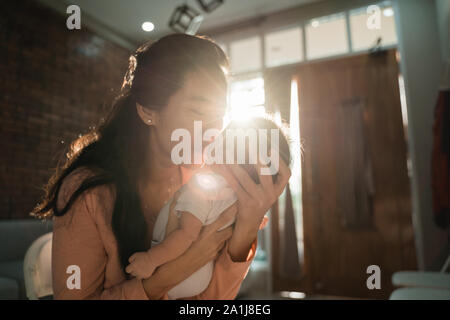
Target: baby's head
(257, 140)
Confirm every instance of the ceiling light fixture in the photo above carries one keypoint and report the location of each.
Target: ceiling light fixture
(210, 5)
(185, 19)
(148, 26)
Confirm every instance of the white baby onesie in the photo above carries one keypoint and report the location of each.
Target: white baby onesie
(205, 196)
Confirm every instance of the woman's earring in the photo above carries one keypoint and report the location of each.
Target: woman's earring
(149, 121)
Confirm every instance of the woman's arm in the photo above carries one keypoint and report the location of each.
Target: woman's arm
(254, 200)
(230, 271)
(143, 264)
(77, 244)
(227, 276)
(178, 241)
(77, 241)
(206, 248)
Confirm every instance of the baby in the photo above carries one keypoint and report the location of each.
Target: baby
(200, 202)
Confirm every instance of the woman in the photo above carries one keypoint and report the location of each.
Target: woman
(105, 198)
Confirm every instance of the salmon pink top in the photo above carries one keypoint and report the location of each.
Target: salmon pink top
(84, 237)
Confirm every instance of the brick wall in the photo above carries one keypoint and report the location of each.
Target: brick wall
(54, 84)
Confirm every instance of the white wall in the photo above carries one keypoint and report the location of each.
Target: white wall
(443, 15)
(421, 65)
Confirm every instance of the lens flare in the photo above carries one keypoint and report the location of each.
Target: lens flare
(206, 181)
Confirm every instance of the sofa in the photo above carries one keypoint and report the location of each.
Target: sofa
(16, 236)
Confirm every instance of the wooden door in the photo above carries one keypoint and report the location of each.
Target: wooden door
(355, 185)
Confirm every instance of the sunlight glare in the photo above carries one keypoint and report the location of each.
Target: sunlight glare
(246, 100)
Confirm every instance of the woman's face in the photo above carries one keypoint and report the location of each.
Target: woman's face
(200, 99)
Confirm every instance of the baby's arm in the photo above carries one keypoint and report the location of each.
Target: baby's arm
(143, 264)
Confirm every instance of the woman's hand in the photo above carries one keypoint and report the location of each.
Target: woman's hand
(204, 249)
(254, 200)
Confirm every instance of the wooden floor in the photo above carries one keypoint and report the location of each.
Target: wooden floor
(256, 296)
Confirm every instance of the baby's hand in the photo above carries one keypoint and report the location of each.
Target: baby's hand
(140, 265)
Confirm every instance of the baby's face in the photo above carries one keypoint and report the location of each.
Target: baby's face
(249, 144)
(252, 156)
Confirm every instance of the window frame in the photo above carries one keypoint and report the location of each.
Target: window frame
(262, 31)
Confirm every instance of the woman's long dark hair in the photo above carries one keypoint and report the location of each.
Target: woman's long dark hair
(118, 150)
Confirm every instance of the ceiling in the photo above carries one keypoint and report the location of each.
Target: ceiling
(126, 17)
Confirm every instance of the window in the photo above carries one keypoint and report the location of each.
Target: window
(320, 37)
(326, 36)
(245, 54)
(246, 99)
(364, 36)
(283, 47)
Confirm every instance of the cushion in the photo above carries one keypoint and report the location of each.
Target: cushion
(14, 270)
(19, 235)
(9, 289)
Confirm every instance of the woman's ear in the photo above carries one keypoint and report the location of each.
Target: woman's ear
(147, 115)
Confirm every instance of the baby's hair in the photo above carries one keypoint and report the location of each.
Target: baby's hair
(264, 122)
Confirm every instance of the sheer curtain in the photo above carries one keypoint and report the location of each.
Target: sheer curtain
(285, 257)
